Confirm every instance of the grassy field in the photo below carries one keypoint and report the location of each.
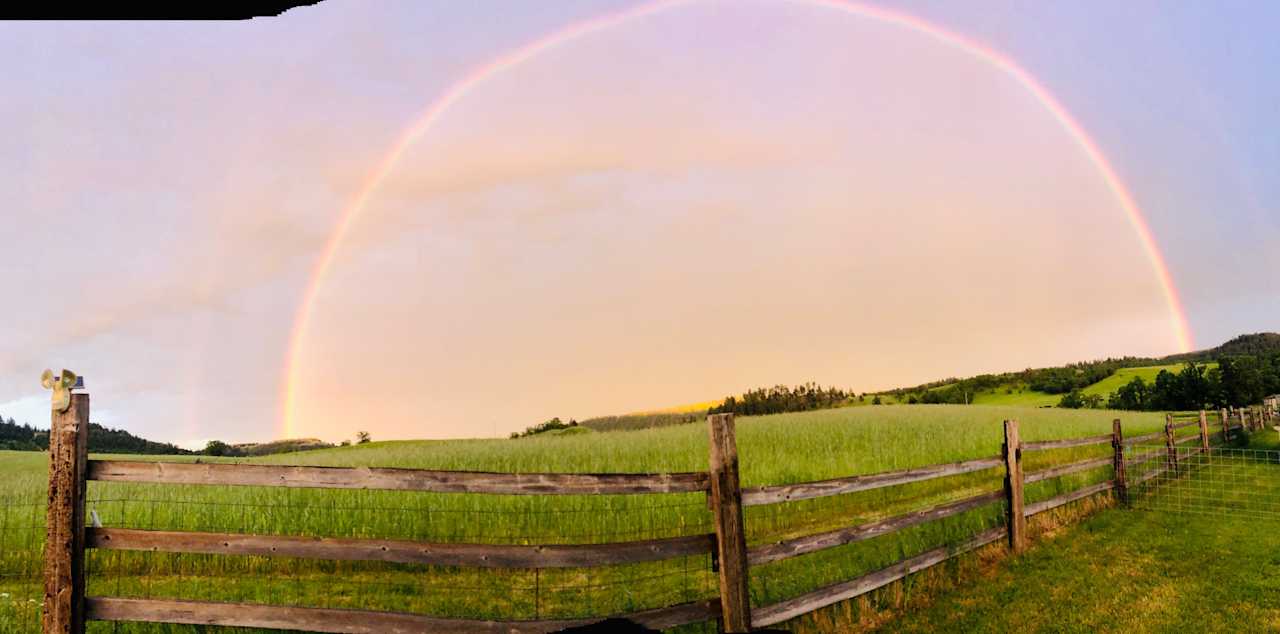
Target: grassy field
(773, 450)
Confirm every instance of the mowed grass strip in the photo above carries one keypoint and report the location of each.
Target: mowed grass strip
(779, 449)
(1123, 571)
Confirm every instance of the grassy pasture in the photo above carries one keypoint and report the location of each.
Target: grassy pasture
(773, 450)
(1020, 396)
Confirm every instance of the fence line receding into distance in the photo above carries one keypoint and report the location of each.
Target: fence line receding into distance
(67, 608)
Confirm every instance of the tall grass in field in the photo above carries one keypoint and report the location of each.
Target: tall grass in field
(779, 449)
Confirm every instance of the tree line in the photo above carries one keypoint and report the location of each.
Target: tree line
(780, 398)
(24, 437)
(1237, 381)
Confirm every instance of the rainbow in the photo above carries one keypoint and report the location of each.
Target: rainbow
(515, 58)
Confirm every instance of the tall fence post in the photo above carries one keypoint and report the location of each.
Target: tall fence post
(1172, 449)
(1117, 462)
(64, 536)
(1012, 450)
(1226, 425)
(731, 538)
(1204, 431)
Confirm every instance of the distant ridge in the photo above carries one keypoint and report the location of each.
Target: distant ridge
(1255, 344)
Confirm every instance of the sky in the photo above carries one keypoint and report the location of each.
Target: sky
(429, 220)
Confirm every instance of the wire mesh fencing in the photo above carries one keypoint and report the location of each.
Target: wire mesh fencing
(21, 562)
(1222, 481)
(441, 518)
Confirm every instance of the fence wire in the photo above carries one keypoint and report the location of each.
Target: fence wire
(444, 591)
(1221, 481)
(21, 563)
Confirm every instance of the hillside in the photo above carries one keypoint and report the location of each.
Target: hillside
(25, 437)
(1257, 344)
(1044, 387)
(1033, 387)
(278, 446)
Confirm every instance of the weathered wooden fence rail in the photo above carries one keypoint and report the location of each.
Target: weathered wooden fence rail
(67, 609)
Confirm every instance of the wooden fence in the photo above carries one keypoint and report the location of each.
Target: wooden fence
(67, 608)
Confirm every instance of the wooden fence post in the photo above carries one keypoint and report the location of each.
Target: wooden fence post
(1117, 462)
(1172, 449)
(64, 536)
(1204, 431)
(1012, 450)
(1226, 425)
(731, 538)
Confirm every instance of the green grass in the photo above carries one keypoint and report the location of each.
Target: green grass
(773, 450)
(1016, 396)
(1154, 568)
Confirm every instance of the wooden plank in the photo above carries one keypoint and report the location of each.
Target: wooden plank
(341, 621)
(1169, 444)
(1203, 422)
(1226, 425)
(64, 573)
(1017, 523)
(830, 595)
(1184, 425)
(1117, 462)
(1074, 467)
(1066, 443)
(1186, 439)
(807, 490)
(1066, 498)
(396, 479)
(409, 552)
(731, 534)
(839, 537)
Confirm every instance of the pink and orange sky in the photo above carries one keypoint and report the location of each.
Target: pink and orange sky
(424, 221)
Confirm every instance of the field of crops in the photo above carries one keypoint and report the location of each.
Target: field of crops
(773, 450)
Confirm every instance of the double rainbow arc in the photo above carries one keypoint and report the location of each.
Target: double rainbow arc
(517, 57)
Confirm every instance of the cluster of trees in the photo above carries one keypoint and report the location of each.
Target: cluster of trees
(24, 437)
(549, 425)
(15, 437)
(1073, 377)
(1237, 381)
(780, 398)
